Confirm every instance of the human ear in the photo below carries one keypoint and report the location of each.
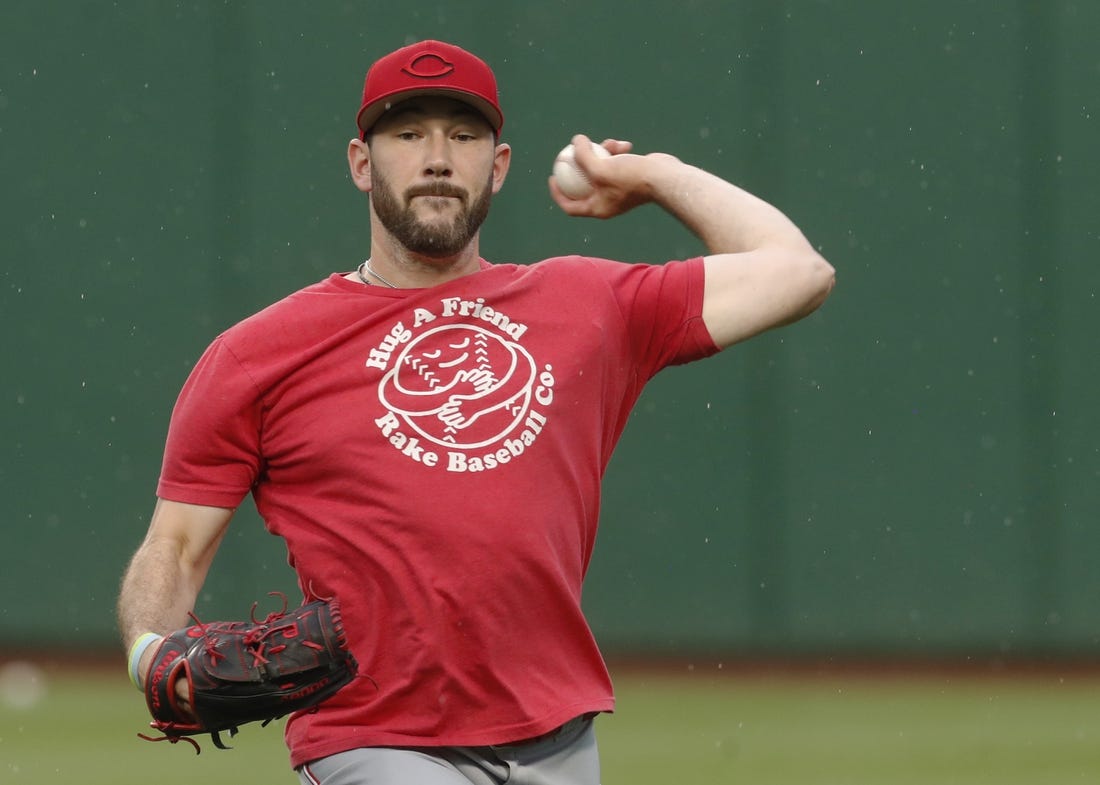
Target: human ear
(502, 159)
(359, 164)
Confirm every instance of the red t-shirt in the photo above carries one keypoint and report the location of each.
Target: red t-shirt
(433, 458)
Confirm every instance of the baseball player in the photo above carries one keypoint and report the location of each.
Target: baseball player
(428, 431)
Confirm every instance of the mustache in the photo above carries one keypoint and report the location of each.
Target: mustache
(436, 189)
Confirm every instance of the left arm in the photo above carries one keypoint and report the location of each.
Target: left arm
(761, 272)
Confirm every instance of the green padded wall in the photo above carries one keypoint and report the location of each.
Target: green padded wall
(911, 471)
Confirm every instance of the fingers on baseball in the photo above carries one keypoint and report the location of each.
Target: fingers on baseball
(584, 155)
(577, 206)
(617, 146)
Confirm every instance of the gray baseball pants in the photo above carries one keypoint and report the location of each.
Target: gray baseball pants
(568, 756)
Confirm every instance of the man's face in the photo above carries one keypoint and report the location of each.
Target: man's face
(432, 167)
(435, 220)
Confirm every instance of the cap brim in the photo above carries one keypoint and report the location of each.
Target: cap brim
(369, 114)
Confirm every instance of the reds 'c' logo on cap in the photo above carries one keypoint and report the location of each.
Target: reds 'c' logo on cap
(428, 66)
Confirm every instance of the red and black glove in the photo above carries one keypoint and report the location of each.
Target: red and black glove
(240, 672)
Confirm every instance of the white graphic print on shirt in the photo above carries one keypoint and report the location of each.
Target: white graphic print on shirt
(465, 395)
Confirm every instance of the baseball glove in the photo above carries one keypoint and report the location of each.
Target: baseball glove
(241, 672)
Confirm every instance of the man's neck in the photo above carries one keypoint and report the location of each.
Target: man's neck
(403, 269)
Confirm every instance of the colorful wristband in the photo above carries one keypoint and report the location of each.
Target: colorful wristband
(136, 651)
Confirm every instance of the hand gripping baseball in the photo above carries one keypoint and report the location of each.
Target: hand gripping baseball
(618, 182)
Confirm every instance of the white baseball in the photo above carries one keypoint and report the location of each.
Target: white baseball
(570, 179)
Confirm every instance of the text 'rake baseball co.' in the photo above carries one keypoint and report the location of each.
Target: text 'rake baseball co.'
(464, 394)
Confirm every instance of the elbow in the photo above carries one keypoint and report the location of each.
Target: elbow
(825, 274)
(819, 277)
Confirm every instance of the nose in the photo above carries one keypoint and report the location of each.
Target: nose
(437, 163)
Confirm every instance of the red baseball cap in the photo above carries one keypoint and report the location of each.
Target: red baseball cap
(429, 68)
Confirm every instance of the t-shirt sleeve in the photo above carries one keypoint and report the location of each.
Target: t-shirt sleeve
(212, 454)
(662, 306)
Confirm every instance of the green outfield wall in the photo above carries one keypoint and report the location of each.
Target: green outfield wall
(912, 471)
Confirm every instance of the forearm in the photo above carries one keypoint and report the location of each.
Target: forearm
(166, 573)
(157, 592)
(726, 218)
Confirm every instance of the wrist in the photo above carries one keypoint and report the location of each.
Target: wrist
(665, 175)
(138, 650)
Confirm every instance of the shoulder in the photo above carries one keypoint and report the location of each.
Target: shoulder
(573, 266)
(316, 296)
(604, 267)
(617, 274)
(585, 277)
(300, 317)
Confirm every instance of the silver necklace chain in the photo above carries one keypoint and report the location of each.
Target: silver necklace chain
(366, 265)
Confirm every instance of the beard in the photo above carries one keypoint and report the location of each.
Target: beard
(433, 239)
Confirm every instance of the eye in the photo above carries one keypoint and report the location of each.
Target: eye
(465, 136)
(408, 136)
